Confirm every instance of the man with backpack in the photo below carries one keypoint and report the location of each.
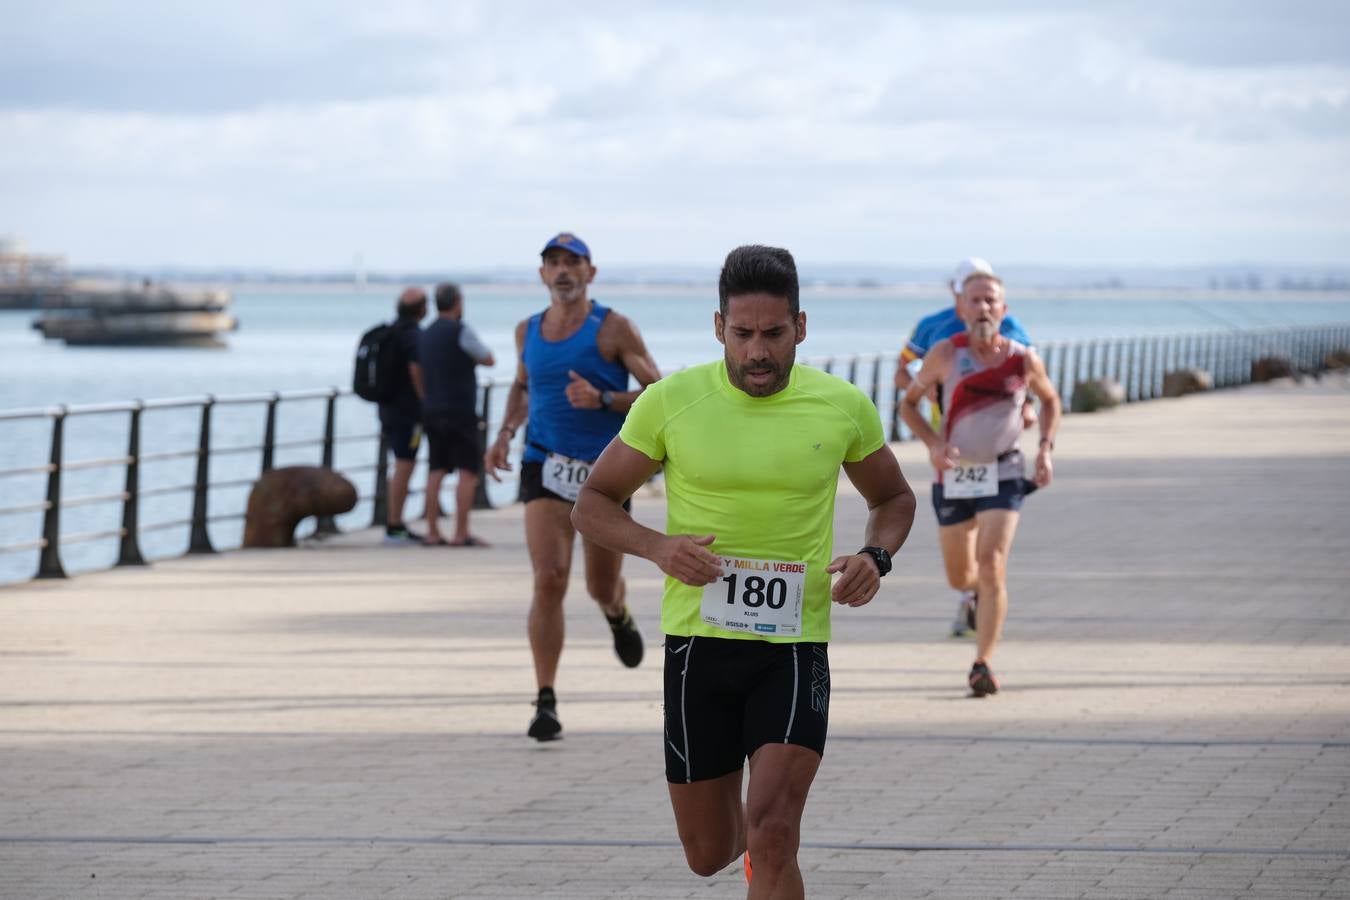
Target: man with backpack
(388, 373)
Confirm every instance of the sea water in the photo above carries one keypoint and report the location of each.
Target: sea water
(301, 338)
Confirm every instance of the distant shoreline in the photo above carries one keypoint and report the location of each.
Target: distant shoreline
(908, 290)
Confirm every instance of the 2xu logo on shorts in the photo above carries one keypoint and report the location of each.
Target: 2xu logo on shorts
(820, 681)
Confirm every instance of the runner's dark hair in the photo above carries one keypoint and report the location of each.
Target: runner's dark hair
(757, 269)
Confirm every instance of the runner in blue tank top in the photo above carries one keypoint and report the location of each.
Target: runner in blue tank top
(572, 391)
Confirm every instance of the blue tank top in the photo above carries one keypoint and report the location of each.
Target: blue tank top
(554, 424)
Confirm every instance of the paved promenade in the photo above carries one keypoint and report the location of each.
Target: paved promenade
(347, 720)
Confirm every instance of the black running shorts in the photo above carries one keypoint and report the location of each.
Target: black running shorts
(532, 486)
(726, 698)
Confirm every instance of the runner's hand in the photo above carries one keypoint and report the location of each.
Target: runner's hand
(684, 558)
(496, 458)
(581, 393)
(859, 582)
(944, 456)
(1045, 470)
(1029, 416)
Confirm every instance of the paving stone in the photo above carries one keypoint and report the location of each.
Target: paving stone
(345, 720)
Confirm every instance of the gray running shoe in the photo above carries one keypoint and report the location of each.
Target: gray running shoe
(964, 623)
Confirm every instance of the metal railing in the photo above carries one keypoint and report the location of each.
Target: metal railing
(1137, 364)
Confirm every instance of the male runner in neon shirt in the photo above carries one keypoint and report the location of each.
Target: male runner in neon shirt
(752, 446)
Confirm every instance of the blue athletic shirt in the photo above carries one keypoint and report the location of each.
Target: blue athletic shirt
(942, 325)
(554, 424)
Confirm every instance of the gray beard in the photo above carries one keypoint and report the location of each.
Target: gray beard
(985, 331)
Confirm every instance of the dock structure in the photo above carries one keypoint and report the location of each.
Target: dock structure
(346, 719)
(28, 280)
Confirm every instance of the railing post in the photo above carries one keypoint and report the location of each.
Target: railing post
(270, 435)
(129, 554)
(380, 507)
(1129, 367)
(327, 524)
(200, 539)
(876, 378)
(49, 563)
(853, 369)
(480, 494)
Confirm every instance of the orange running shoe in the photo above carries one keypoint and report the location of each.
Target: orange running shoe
(748, 871)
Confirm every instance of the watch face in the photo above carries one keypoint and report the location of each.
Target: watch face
(882, 558)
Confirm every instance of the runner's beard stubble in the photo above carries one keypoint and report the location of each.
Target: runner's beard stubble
(740, 376)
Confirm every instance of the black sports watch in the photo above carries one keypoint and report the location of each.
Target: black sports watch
(880, 557)
(606, 398)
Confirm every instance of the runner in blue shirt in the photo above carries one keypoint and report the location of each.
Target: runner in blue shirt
(576, 361)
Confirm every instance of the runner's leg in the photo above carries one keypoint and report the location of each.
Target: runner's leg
(549, 534)
(603, 581)
(710, 819)
(958, 554)
(996, 530)
(607, 588)
(780, 777)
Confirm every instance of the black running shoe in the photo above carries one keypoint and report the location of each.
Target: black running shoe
(545, 726)
(627, 640)
(982, 681)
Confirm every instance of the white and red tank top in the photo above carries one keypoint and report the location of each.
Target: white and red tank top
(982, 406)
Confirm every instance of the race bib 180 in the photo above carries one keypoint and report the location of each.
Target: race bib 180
(759, 596)
(970, 480)
(564, 476)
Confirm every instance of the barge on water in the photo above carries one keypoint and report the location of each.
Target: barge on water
(147, 315)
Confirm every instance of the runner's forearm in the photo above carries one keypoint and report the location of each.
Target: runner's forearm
(517, 409)
(604, 521)
(909, 413)
(888, 524)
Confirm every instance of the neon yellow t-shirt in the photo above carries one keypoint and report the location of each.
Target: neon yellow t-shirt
(760, 473)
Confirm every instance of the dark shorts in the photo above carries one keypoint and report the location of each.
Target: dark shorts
(1010, 495)
(726, 698)
(532, 486)
(452, 442)
(402, 434)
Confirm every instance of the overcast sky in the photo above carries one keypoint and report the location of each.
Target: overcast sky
(459, 135)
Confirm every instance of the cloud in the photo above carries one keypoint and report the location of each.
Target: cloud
(295, 134)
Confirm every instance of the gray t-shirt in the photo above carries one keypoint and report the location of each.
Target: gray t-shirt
(471, 344)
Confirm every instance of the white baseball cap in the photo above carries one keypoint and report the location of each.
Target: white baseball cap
(971, 265)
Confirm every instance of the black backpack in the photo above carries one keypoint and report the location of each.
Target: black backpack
(379, 359)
